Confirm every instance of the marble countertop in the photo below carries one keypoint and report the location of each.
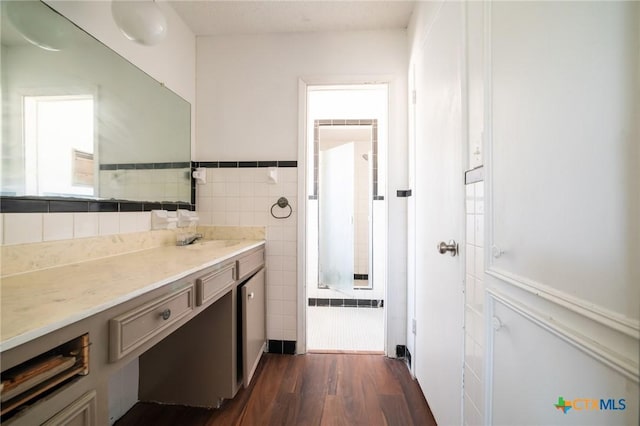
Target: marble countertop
(36, 303)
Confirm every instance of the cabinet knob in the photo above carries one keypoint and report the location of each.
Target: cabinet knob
(165, 314)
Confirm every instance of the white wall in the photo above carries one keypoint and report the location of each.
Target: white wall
(584, 90)
(247, 109)
(248, 86)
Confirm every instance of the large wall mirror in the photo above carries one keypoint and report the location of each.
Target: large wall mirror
(78, 120)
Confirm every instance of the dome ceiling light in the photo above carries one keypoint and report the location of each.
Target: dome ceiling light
(140, 21)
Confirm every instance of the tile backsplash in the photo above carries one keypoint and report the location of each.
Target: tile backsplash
(23, 228)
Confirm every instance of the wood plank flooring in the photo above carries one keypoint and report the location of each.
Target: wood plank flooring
(311, 389)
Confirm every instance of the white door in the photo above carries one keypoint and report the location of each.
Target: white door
(438, 216)
(336, 217)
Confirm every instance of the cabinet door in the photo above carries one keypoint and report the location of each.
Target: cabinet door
(82, 412)
(253, 324)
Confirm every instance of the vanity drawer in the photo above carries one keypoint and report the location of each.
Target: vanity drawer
(250, 262)
(132, 329)
(82, 412)
(214, 285)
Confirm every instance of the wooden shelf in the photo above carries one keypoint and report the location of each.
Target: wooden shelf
(24, 383)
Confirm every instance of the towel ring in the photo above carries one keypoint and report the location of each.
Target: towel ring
(282, 203)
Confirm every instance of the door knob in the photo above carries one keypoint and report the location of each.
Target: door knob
(451, 247)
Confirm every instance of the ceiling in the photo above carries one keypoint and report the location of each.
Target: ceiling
(220, 17)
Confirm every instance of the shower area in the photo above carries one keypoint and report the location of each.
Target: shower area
(345, 221)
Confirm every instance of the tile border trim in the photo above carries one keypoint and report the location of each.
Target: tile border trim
(9, 204)
(286, 347)
(345, 303)
(146, 166)
(243, 164)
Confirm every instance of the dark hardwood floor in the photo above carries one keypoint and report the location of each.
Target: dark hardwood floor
(311, 389)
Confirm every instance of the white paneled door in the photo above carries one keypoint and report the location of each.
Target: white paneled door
(438, 215)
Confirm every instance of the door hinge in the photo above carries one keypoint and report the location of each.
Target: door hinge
(413, 326)
(414, 97)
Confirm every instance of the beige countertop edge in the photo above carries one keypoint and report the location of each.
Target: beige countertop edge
(33, 334)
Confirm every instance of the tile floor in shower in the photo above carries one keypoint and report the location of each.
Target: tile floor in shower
(345, 329)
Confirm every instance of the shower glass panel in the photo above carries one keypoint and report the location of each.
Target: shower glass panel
(336, 205)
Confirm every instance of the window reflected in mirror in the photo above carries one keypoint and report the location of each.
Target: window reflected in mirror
(59, 145)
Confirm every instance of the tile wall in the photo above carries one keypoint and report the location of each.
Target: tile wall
(22, 228)
(243, 196)
(474, 306)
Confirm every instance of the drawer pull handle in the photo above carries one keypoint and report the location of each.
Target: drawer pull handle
(251, 295)
(165, 314)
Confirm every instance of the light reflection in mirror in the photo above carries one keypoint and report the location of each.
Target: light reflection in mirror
(59, 145)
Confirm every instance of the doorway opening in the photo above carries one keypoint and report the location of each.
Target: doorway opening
(346, 217)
